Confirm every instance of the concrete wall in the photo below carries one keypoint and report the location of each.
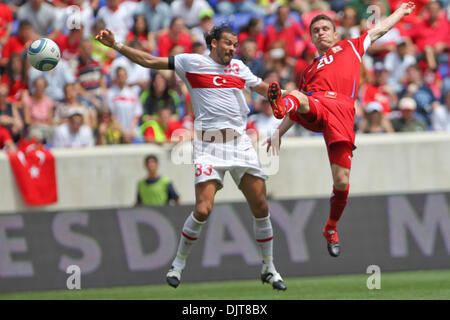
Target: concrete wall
(105, 177)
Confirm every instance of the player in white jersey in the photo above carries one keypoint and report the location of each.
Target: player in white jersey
(215, 83)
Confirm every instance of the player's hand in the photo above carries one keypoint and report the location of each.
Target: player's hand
(408, 7)
(106, 37)
(272, 142)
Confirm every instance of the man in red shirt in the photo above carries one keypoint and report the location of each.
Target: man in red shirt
(19, 43)
(175, 36)
(325, 103)
(6, 19)
(431, 34)
(286, 29)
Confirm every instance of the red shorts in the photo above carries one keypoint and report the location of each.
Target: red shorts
(333, 115)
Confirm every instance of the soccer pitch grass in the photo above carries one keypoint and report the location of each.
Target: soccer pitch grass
(433, 284)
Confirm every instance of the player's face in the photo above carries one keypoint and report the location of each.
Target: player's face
(323, 35)
(225, 48)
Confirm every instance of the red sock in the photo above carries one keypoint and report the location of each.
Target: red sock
(291, 103)
(338, 201)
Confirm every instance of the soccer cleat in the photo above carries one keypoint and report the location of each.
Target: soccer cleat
(334, 248)
(173, 277)
(275, 279)
(274, 97)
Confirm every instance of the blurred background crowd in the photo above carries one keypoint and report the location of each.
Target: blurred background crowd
(95, 96)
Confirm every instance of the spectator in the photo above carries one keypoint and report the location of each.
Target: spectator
(19, 43)
(176, 35)
(6, 20)
(15, 76)
(248, 55)
(374, 122)
(159, 95)
(69, 46)
(71, 102)
(38, 111)
(42, 16)
(396, 62)
(90, 76)
(206, 24)
(407, 122)
(278, 60)
(286, 29)
(141, 34)
(118, 16)
(302, 6)
(73, 134)
(125, 105)
(138, 75)
(348, 27)
(234, 6)
(264, 121)
(109, 130)
(56, 79)
(378, 90)
(416, 88)
(157, 13)
(189, 10)
(431, 33)
(6, 140)
(254, 30)
(101, 53)
(84, 17)
(164, 129)
(9, 115)
(155, 190)
(361, 7)
(440, 119)
(199, 48)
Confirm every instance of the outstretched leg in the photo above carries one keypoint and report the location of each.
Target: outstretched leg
(254, 190)
(204, 194)
(340, 157)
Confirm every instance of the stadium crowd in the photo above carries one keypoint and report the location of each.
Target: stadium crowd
(95, 96)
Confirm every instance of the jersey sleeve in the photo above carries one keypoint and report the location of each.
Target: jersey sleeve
(181, 63)
(361, 44)
(250, 79)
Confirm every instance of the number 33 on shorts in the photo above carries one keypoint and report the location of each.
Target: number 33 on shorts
(205, 169)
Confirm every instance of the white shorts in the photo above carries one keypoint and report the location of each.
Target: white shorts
(237, 156)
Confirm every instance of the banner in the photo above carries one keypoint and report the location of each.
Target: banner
(34, 170)
(122, 247)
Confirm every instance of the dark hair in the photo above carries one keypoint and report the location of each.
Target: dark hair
(253, 22)
(150, 157)
(134, 30)
(216, 33)
(24, 23)
(322, 17)
(9, 68)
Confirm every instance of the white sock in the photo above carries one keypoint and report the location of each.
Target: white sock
(262, 228)
(189, 236)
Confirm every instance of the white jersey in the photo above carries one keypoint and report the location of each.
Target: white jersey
(216, 90)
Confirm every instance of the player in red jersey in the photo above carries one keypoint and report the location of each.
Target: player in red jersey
(325, 103)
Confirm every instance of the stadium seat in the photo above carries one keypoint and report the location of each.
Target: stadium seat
(213, 3)
(14, 27)
(240, 19)
(220, 19)
(272, 18)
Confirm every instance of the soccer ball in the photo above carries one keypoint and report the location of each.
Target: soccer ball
(43, 54)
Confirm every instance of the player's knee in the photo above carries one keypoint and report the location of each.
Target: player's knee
(261, 208)
(303, 101)
(341, 181)
(202, 211)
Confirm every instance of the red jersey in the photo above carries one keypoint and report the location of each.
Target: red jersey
(338, 70)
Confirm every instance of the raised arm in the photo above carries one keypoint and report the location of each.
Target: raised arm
(140, 57)
(388, 23)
